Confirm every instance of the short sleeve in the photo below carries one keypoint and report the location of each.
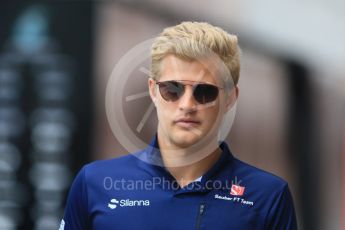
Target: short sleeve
(76, 210)
(282, 214)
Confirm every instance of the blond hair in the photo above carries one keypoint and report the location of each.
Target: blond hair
(192, 40)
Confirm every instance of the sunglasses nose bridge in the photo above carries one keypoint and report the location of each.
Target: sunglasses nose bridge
(187, 100)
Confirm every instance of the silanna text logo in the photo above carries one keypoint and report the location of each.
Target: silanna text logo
(114, 203)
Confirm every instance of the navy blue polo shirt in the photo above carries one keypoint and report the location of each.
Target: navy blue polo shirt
(129, 193)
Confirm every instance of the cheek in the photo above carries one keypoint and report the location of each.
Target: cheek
(212, 111)
(211, 116)
(164, 112)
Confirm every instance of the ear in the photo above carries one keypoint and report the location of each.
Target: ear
(152, 89)
(232, 98)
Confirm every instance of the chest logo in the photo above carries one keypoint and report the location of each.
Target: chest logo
(114, 203)
(236, 188)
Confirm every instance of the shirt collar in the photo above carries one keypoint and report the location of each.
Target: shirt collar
(152, 163)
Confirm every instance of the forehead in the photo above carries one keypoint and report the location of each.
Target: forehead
(203, 70)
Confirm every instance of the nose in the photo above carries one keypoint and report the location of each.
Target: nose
(187, 101)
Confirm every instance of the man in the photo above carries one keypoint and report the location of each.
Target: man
(186, 178)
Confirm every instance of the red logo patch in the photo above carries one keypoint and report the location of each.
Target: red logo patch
(237, 190)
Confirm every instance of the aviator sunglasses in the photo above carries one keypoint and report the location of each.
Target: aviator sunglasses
(202, 92)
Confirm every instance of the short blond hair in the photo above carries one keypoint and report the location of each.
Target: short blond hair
(192, 40)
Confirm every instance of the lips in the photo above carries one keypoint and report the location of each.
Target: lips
(187, 123)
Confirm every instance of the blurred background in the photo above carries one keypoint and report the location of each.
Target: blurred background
(57, 56)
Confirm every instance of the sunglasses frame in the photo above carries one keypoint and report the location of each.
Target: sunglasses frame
(194, 84)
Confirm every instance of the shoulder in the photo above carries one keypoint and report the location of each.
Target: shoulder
(258, 175)
(120, 161)
(122, 165)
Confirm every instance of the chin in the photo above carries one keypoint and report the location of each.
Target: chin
(185, 140)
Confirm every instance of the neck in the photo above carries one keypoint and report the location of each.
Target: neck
(188, 164)
(187, 174)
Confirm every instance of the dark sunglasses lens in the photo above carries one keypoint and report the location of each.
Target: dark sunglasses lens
(171, 90)
(204, 93)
